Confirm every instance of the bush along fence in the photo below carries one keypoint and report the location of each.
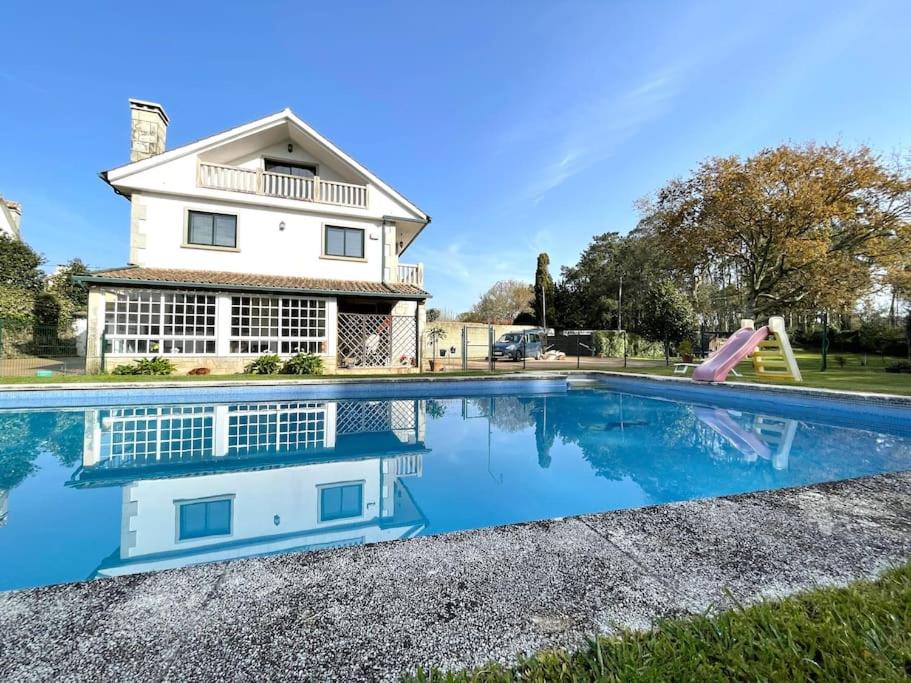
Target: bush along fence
(33, 349)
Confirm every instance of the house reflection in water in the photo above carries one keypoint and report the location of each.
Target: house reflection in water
(202, 483)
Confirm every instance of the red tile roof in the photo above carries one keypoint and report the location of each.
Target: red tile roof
(251, 281)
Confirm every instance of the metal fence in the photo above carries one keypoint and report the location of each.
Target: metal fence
(39, 350)
(371, 340)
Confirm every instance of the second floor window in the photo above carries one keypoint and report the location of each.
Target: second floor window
(212, 229)
(347, 242)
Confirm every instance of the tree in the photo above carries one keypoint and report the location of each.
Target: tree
(795, 224)
(588, 294)
(669, 317)
(502, 303)
(433, 314)
(47, 310)
(63, 284)
(19, 265)
(544, 291)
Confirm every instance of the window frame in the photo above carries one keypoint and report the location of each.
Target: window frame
(284, 302)
(157, 301)
(188, 212)
(180, 503)
(360, 484)
(334, 226)
(291, 163)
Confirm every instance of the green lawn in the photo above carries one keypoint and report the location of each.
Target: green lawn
(853, 376)
(858, 633)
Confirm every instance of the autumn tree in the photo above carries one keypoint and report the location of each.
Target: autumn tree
(794, 224)
(502, 303)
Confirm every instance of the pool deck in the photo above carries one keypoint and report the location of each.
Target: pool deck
(458, 600)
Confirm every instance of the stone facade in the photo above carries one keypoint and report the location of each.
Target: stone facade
(148, 129)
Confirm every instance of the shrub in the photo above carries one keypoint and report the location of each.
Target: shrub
(899, 366)
(268, 364)
(303, 364)
(685, 348)
(146, 366)
(609, 344)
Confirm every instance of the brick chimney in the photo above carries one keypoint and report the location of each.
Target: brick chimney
(148, 128)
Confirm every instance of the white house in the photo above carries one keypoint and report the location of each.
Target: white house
(10, 218)
(265, 238)
(201, 483)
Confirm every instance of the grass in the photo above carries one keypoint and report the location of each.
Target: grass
(91, 379)
(853, 376)
(862, 632)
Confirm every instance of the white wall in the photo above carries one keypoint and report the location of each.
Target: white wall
(291, 493)
(159, 231)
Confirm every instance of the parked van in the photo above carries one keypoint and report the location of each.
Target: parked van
(519, 345)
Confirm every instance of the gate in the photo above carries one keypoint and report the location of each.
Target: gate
(375, 340)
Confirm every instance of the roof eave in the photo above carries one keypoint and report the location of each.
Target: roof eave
(136, 282)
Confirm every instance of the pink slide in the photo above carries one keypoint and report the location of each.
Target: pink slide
(735, 349)
(748, 443)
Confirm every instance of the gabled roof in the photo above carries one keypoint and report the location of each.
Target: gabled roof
(211, 279)
(285, 116)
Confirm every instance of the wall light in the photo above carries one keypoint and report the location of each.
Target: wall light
(290, 148)
(281, 226)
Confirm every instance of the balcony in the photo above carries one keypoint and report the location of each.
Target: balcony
(411, 274)
(269, 184)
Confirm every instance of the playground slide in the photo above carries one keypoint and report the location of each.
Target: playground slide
(735, 349)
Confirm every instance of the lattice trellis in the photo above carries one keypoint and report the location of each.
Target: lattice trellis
(367, 340)
(357, 417)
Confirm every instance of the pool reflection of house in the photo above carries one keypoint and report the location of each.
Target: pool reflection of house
(203, 483)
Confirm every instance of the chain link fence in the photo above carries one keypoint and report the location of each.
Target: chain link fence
(40, 350)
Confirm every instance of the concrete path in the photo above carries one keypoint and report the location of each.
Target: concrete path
(460, 600)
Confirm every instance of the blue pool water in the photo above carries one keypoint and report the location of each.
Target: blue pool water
(116, 489)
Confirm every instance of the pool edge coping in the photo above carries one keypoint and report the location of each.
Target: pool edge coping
(817, 392)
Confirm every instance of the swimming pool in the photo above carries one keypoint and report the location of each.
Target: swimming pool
(142, 481)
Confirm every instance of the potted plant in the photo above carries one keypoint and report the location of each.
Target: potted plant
(686, 351)
(435, 334)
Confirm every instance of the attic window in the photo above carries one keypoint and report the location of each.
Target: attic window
(289, 168)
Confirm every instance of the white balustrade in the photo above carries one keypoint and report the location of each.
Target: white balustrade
(236, 179)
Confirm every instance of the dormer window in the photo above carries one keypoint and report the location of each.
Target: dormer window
(290, 168)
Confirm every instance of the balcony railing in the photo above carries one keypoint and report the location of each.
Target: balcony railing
(411, 274)
(267, 183)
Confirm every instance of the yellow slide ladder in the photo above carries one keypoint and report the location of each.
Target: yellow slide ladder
(773, 358)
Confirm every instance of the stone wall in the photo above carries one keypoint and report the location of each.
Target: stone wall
(148, 129)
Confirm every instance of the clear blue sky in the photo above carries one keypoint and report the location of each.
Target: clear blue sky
(520, 127)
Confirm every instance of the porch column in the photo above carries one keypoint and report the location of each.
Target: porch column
(330, 360)
(222, 324)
